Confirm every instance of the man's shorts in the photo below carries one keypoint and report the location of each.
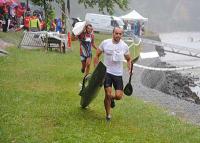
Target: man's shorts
(83, 58)
(114, 80)
(85, 51)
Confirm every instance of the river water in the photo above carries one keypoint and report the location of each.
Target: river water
(191, 40)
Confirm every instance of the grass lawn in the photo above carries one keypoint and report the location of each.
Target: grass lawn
(39, 103)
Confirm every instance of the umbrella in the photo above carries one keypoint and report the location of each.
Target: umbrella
(10, 2)
(2, 1)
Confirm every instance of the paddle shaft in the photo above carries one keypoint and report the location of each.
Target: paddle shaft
(131, 72)
(133, 61)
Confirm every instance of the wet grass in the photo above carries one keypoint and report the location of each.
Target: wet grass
(39, 102)
(11, 37)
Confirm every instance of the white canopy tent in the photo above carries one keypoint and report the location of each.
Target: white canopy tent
(133, 16)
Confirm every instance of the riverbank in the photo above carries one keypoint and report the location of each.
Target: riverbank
(158, 88)
(191, 44)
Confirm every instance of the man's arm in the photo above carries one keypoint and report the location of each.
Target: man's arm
(96, 58)
(128, 59)
(93, 43)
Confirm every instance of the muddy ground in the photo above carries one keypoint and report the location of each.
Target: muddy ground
(172, 83)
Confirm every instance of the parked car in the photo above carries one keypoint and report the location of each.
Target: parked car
(103, 23)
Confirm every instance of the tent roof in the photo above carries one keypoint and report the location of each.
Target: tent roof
(134, 15)
(116, 18)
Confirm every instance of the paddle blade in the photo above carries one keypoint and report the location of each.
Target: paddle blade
(128, 90)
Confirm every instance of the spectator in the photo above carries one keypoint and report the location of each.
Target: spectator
(63, 26)
(5, 18)
(27, 22)
(58, 25)
(142, 29)
(136, 28)
(42, 25)
(52, 25)
(34, 23)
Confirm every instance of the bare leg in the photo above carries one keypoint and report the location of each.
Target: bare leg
(109, 97)
(118, 95)
(83, 66)
(87, 66)
(107, 100)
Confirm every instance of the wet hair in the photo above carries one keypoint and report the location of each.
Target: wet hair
(115, 28)
(34, 14)
(88, 25)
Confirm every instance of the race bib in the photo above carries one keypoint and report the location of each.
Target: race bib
(118, 56)
(88, 39)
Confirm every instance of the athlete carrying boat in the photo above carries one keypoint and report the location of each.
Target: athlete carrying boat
(86, 39)
(114, 50)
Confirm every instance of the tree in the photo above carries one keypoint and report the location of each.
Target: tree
(103, 5)
(107, 5)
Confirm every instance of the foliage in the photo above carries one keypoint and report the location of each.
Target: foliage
(38, 2)
(50, 12)
(50, 15)
(107, 5)
(41, 2)
(103, 5)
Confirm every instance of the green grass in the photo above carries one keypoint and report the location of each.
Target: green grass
(39, 103)
(11, 37)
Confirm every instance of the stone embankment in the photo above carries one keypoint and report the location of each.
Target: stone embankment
(170, 90)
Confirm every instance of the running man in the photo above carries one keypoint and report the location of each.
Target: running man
(114, 50)
(86, 39)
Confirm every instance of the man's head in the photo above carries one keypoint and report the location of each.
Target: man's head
(117, 34)
(28, 14)
(88, 28)
(34, 14)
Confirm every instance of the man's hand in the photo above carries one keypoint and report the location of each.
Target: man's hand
(130, 65)
(129, 62)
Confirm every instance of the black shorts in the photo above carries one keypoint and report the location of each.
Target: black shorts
(114, 80)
